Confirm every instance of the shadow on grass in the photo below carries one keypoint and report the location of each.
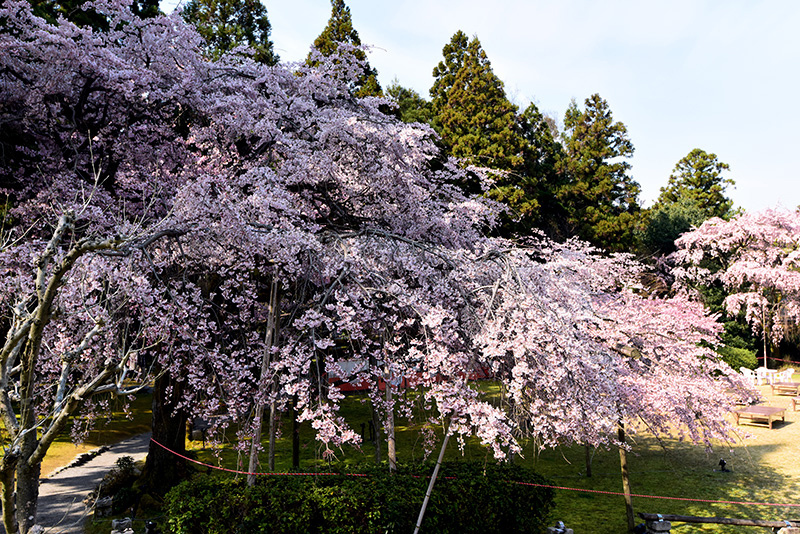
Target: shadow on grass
(676, 470)
(666, 468)
(117, 426)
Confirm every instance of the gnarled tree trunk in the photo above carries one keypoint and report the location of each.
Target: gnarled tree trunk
(163, 468)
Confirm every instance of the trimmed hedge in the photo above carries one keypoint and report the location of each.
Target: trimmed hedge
(467, 498)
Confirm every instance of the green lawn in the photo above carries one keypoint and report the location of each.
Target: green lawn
(763, 468)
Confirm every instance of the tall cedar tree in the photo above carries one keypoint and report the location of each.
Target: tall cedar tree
(695, 192)
(472, 113)
(599, 196)
(531, 192)
(340, 30)
(698, 177)
(226, 24)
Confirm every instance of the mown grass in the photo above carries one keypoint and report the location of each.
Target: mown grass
(763, 469)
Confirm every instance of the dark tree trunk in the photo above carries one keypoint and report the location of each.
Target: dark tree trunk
(376, 423)
(271, 340)
(295, 436)
(163, 469)
(588, 459)
(376, 418)
(8, 467)
(273, 429)
(27, 495)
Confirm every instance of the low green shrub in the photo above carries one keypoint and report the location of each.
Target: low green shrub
(738, 357)
(467, 498)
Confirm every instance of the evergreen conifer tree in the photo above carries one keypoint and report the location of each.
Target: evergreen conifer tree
(530, 192)
(698, 177)
(472, 113)
(663, 223)
(600, 197)
(411, 107)
(226, 24)
(340, 30)
(695, 192)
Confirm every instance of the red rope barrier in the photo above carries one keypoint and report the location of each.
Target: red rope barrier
(655, 496)
(778, 359)
(247, 472)
(615, 493)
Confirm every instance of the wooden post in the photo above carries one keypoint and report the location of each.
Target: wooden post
(764, 331)
(390, 438)
(391, 452)
(270, 341)
(626, 482)
(432, 482)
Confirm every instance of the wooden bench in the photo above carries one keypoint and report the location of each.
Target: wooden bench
(757, 414)
(786, 388)
(795, 402)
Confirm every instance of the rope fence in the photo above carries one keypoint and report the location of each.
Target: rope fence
(563, 488)
(777, 359)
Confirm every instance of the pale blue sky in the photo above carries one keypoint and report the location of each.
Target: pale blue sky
(718, 75)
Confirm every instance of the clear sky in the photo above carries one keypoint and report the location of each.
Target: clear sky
(719, 75)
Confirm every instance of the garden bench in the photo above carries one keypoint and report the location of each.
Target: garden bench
(756, 414)
(786, 388)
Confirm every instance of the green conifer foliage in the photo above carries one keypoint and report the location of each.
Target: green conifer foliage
(665, 222)
(698, 177)
(411, 107)
(472, 113)
(226, 24)
(600, 198)
(340, 30)
(74, 11)
(531, 191)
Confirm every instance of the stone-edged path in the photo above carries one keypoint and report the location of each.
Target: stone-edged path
(61, 508)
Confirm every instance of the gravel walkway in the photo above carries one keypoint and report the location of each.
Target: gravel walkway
(61, 508)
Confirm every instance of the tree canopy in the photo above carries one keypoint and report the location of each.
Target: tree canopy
(411, 107)
(531, 190)
(75, 12)
(159, 214)
(755, 258)
(665, 222)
